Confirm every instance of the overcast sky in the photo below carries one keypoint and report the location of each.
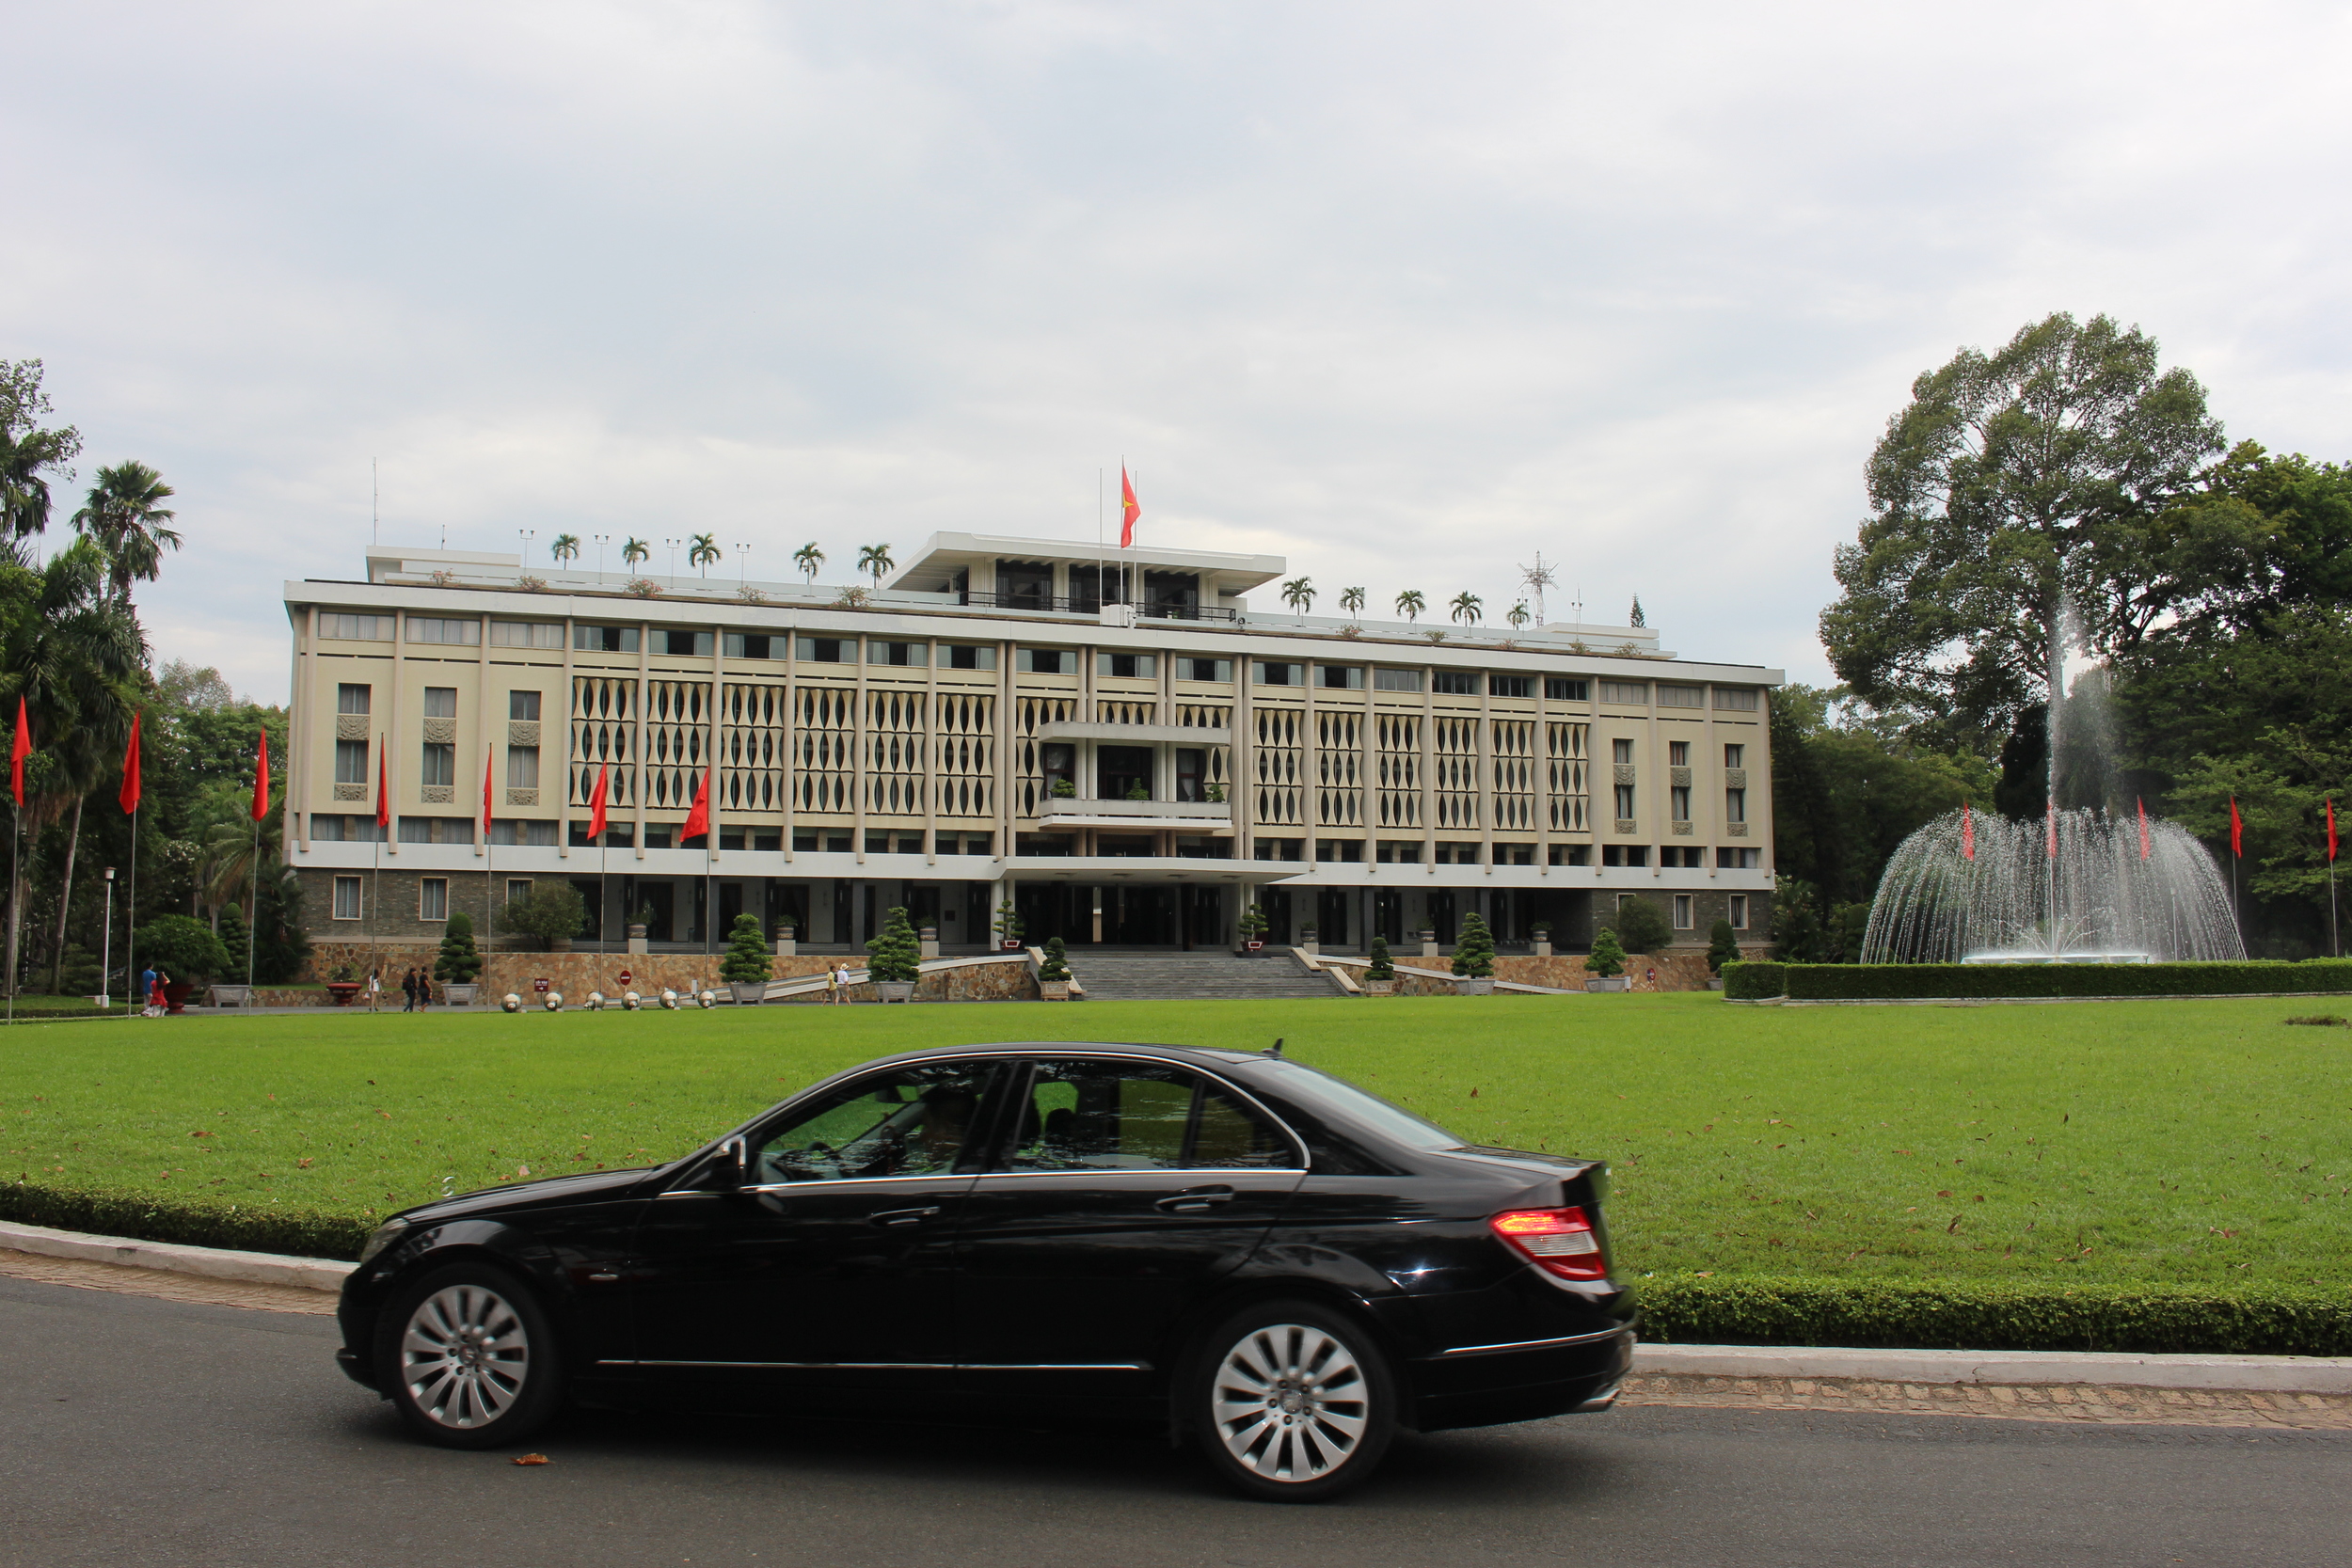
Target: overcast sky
(1402, 293)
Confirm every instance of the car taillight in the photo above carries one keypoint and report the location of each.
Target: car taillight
(1558, 1241)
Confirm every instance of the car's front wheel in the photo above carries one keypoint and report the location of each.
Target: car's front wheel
(1292, 1401)
(471, 1357)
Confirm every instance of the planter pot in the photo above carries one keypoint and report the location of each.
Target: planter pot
(176, 996)
(1379, 988)
(748, 993)
(1054, 990)
(460, 993)
(343, 991)
(1010, 944)
(1613, 982)
(1543, 947)
(895, 990)
(1253, 947)
(1467, 987)
(229, 996)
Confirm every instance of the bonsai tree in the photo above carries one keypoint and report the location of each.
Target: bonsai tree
(182, 947)
(1253, 923)
(746, 963)
(1380, 968)
(1062, 790)
(1057, 964)
(1608, 956)
(1722, 947)
(1009, 922)
(459, 961)
(1641, 928)
(554, 912)
(236, 940)
(895, 955)
(1474, 954)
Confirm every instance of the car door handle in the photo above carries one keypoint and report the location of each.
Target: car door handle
(892, 1219)
(1195, 1200)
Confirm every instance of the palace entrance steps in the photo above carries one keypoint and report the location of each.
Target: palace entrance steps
(1131, 976)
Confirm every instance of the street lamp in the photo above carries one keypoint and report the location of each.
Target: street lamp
(106, 946)
(601, 541)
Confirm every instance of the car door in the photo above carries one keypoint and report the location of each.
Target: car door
(1122, 1191)
(832, 1265)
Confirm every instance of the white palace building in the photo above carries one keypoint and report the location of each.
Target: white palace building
(1130, 754)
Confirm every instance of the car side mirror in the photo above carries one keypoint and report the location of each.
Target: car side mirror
(730, 1168)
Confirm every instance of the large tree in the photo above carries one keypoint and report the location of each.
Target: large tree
(126, 516)
(30, 456)
(2049, 470)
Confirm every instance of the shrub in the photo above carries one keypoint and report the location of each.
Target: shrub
(554, 912)
(1009, 922)
(1722, 946)
(895, 955)
(1474, 954)
(746, 963)
(1641, 928)
(1380, 968)
(157, 1217)
(1903, 982)
(236, 940)
(182, 947)
(1751, 981)
(1253, 923)
(459, 961)
(1057, 964)
(1608, 956)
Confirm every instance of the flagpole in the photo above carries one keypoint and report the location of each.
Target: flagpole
(16, 891)
(131, 924)
(253, 906)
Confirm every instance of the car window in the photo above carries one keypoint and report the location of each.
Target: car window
(911, 1122)
(1320, 1092)
(1138, 1115)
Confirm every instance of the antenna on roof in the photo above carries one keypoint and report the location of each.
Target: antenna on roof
(1275, 1050)
(375, 496)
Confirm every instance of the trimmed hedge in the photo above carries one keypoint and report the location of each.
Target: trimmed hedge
(155, 1217)
(1860, 1313)
(1898, 982)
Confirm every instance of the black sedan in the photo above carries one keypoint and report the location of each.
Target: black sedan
(1244, 1250)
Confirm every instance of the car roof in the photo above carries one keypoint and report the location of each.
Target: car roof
(989, 1047)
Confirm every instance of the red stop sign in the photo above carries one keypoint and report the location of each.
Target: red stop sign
(626, 976)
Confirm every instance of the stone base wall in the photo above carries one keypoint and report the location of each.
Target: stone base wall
(1674, 971)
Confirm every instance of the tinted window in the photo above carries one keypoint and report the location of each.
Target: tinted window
(1318, 1091)
(909, 1122)
(1135, 1115)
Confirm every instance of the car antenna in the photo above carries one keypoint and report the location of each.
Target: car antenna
(1274, 1049)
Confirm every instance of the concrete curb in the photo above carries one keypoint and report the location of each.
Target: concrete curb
(255, 1268)
(2281, 1375)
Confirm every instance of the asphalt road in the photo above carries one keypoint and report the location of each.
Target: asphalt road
(138, 1432)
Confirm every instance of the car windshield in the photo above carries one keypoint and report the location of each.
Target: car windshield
(1319, 1091)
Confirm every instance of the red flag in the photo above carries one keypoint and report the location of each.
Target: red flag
(1129, 509)
(261, 780)
(383, 792)
(2051, 816)
(2237, 830)
(1967, 832)
(22, 748)
(486, 758)
(130, 796)
(596, 802)
(698, 819)
(2143, 826)
(2331, 827)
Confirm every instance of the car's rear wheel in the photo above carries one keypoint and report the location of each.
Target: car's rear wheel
(471, 1357)
(1292, 1401)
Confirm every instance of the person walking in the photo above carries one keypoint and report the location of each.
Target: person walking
(424, 990)
(841, 981)
(147, 992)
(376, 990)
(408, 990)
(832, 987)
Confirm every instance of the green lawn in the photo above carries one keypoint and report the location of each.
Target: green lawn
(2119, 1142)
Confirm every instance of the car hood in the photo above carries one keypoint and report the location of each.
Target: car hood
(585, 1187)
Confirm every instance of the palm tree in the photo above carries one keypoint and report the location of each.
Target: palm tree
(126, 517)
(702, 550)
(808, 558)
(27, 452)
(875, 559)
(1410, 603)
(1299, 593)
(566, 547)
(1468, 608)
(1352, 600)
(634, 551)
(1517, 616)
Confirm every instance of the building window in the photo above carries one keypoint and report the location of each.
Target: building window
(605, 639)
(522, 767)
(1739, 911)
(433, 898)
(522, 708)
(1735, 805)
(1396, 680)
(1692, 858)
(1270, 673)
(1559, 690)
(968, 656)
(1678, 802)
(526, 634)
(1515, 854)
(1218, 669)
(1682, 911)
(1451, 852)
(440, 702)
(1621, 752)
(684, 644)
(1510, 685)
(517, 890)
(1625, 854)
(1735, 756)
(1340, 678)
(1738, 860)
(356, 628)
(1126, 667)
(1625, 802)
(436, 629)
(1347, 851)
(439, 765)
(1060, 763)
(1453, 683)
(436, 830)
(528, 832)
(753, 644)
(352, 699)
(336, 828)
(904, 655)
(1398, 851)
(1681, 696)
(351, 762)
(1278, 849)
(1677, 753)
(347, 898)
(1189, 760)
(825, 650)
(1569, 854)
(1626, 693)
(1046, 661)
(1735, 701)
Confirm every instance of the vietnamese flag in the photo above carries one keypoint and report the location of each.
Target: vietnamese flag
(487, 759)
(1967, 832)
(1129, 509)
(698, 819)
(2143, 825)
(596, 802)
(261, 780)
(130, 795)
(22, 748)
(2331, 827)
(2237, 830)
(383, 792)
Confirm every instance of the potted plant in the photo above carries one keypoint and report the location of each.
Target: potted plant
(1252, 924)
(1542, 932)
(1213, 794)
(1053, 975)
(1605, 969)
(185, 949)
(1309, 938)
(1137, 792)
(459, 962)
(1009, 926)
(1722, 947)
(343, 986)
(1428, 935)
(1062, 790)
(1380, 974)
(1474, 959)
(894, 962)
(746, 967)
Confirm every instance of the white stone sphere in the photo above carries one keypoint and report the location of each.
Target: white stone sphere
(596, 1001)
(669, 1000)
(513, 1003)
(555, 1001)
(708, 999)
(630, 1000)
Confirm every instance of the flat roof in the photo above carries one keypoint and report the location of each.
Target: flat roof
(943, 555)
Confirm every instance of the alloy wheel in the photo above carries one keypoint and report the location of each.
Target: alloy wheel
(465, 1356)
(1290, 1402)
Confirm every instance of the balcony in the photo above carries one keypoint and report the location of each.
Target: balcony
(1135, 734)
(1089, 604)
(1188, 815)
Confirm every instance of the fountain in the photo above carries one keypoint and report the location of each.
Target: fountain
(2082, 885)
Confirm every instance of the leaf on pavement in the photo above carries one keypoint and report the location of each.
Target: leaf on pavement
(529, 1459)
